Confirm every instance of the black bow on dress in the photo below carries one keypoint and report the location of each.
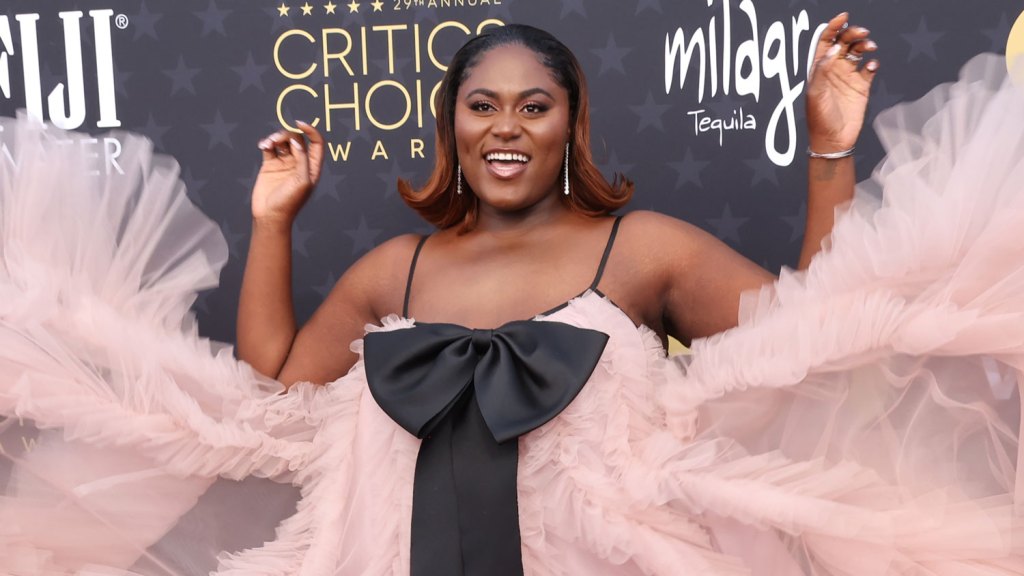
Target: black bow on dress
(469, 394)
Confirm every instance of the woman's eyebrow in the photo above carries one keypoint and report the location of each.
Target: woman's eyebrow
(524, 94)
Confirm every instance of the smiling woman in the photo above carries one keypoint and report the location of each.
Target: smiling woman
(564, 100)
(495, 398)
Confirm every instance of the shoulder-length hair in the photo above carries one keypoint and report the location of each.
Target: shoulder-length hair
(590, 193)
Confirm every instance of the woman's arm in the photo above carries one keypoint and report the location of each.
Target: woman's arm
(837, 96)
(268, 338)
(266, 319)
(702, 278)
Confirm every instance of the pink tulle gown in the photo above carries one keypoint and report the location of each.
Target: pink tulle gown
(864, 418)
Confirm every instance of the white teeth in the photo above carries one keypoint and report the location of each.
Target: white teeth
(507, 157)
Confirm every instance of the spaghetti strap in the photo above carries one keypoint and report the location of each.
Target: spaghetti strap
(412, 270)
(607, 252)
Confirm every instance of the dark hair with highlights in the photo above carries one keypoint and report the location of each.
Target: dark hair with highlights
(591, 194)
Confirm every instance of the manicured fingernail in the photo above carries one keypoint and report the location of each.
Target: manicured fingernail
(301, 123)
(872, 66)
(293, 143)
(871, 44)
(263, 144)
(833, 50)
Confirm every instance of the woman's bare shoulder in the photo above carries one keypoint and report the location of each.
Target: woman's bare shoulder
(647, 229)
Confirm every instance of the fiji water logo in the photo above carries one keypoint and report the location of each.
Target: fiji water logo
(65, 104)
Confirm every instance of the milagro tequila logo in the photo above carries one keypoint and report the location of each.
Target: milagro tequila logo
(65, 105)
(740, 69)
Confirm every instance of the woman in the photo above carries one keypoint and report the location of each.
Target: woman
(814, 438)
(517, 238)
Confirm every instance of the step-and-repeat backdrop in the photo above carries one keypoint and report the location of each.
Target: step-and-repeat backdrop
(698, 101)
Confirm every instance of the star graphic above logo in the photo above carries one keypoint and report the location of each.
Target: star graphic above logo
(329, 7)
(378, 6)
(353, 7)
(283, 9)
(307, 9)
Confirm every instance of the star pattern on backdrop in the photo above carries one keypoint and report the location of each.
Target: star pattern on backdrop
(300, 239)
(998, 34)
(796, 222)
(234, 239)
(727, 227)
(922, 41)
(378, 6)
(764, 170)
(324, 288)
(181, 77)
(194, 185)
(154, 131)
(353, 7)
(250, 74)
(363, 237)
(307, 9)
(330, 184)
(121, 78)
(219, 131)
(613, 167)
(144, 23)
(391, 177)
(642, 5)
(688, 170)
(572, 7)
(611, 56)
(650, 113)
(213, 19)
(330, 7)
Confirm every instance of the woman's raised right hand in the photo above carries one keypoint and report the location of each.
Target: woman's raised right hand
(290, 170)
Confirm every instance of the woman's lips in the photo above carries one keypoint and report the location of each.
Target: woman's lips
(506, 165)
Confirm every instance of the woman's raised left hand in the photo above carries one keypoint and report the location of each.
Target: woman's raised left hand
(837, 92)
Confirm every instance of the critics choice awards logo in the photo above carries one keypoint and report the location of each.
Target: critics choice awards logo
(371, 82)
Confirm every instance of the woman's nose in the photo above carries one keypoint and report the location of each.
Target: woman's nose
(506, 125)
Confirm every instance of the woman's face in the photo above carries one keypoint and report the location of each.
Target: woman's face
(511, 127)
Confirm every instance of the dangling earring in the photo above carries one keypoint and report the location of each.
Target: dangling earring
(458, 177)
(565, 170)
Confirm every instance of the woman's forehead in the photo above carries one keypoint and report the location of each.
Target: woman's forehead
(511, 66)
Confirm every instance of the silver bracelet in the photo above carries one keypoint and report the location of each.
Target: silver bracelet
(831, 155)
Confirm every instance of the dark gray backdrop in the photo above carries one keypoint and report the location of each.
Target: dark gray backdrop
(202, 79)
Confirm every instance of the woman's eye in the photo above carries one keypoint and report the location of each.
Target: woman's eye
(481, 106)
(534, 108)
